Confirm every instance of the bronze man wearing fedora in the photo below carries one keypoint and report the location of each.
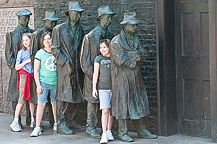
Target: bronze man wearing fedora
(129, 97)
(13, 45)
(66, 44)
(50, 21)
(90, 49)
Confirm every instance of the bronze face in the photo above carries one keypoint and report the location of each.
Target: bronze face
(105, 20)
(50, 24)
(130, 28)
(24, 20)
(75, 16)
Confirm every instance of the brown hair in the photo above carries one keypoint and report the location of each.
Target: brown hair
(29, 35)
(42, 38)
(106, 41)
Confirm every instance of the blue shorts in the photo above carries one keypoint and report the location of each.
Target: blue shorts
(42, 98)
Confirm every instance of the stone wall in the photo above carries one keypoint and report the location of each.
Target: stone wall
(8, 20)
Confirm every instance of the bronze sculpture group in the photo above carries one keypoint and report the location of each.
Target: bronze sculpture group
(75, 54)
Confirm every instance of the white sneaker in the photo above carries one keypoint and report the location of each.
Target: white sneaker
(15, 127)
(109, 135)
(32, 124)
(104, 138)
(55, 126)
(36, 132)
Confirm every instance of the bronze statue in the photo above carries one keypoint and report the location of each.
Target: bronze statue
(129, 97)
(50, 22)
(13, 45)
(66, 45)
(90, 49)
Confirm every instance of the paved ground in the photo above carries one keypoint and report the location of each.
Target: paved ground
(50, 137)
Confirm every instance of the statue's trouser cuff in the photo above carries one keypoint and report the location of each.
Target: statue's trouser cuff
(61, 111)
(92, 111)
(122, 130)
(71, 112)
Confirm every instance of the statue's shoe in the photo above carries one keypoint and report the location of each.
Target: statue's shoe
(63, 129)
(146, 134)
(75, 125)
(93, 133)
(126, 138)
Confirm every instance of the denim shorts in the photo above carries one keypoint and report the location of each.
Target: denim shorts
(105, 99)
(42, 98)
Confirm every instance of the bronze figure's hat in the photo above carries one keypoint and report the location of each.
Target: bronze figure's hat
(130, 18)
(23, 12)
(104, 10)
(51, 15)
(74, 6)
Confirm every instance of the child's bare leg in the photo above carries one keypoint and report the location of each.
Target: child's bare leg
(54, 105)
(110, 120)
(104, 119)
(32, 108)
(39, 113)
(18, 110)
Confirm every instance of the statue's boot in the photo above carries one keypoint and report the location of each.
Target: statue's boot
(92, 110)
(142, 132)
(74, 125)
(63, 129)
(123, 131)
(92, 133)
(125, 138)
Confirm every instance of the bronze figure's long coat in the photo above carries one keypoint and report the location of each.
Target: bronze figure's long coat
(129, 98)
(66, 48)
(13, 45)
(36, 39)
(89, 51)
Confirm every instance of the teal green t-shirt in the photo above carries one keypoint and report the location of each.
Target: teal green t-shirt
(47, 70)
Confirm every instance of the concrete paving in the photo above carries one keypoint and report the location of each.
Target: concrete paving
(50, 137)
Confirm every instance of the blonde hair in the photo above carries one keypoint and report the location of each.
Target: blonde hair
(29, 35)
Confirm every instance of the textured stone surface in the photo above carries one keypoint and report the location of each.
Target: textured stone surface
(50, 137)
(16, 3)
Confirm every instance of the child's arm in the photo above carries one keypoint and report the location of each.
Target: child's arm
(36, 76)
(95, 79)
(19, 65)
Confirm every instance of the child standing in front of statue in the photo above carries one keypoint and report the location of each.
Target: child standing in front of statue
(24, 78)
(102, 83)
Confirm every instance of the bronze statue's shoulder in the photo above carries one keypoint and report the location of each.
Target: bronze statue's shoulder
(62, 25)
(94, 31)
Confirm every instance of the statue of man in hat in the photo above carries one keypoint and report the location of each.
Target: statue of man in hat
(50, 21)
(66, 46)
(90, 49)
(129, 97)
(13, 45)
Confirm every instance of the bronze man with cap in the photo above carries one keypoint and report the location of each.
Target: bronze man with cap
(66, 45)
(129, 97)
(13, 45)
(50, 21)
(90, 49)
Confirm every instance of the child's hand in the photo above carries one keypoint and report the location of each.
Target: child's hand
(28, 61)
(95, 93)
(39, 89)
